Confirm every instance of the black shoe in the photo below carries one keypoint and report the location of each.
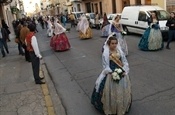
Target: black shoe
(42, 78)
(28, 60)
(168, 47)
(39, 82)
(3, 56)
(21, 54)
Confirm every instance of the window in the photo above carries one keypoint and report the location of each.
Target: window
(161, 14)
(110, 17)
(78, 15)
(92, 16)
(142, 16)
(78, 7)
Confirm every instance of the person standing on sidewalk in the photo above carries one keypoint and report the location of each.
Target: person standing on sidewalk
(72, 19)
(5, 26)
(171, 24)
(17, 28)
(64, 20)
(32, 47)
(23, 33)
(3, 40)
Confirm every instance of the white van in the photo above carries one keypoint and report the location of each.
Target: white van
(134, 18)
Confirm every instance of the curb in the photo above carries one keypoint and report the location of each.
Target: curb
(47, 97)
(52, 100)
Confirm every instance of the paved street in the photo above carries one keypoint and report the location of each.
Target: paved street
(19, 95)
(74, 73)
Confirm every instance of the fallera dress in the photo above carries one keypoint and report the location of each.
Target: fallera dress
(113, 97)
(152, 38)
(59, 42)
(86, 35)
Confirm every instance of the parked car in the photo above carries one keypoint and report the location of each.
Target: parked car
(134, 18)
(77, 16)
(91, 18)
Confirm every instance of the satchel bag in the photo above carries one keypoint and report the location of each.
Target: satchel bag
(17, 40)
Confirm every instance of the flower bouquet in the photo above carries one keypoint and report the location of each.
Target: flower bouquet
(124, 33)
(117, 74)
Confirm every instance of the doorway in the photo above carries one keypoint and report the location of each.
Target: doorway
(147, 2)
(125, 3)
(114, 6)
(92, 7)
(96, 8)
(1, 12)
(88, 7)
(138, 2)
(101, 9)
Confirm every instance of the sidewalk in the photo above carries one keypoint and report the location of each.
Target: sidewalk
(19, 95)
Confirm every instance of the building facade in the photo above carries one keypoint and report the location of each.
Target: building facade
(110, 6)
(9, 11)
(116, 6)
(170, 5)
(93, 6)
(74, 6)
(55, 7)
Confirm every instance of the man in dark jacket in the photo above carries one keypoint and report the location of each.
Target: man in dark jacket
(171, 24)
(3, 40)
(5, 26)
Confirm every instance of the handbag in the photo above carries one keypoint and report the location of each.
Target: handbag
(17, 40)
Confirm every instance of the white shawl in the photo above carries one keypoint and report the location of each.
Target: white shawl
(83, 25)
(113, 23)
(58, 28)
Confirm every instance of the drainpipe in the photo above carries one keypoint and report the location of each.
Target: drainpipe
(165, 5)
(4, 13)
